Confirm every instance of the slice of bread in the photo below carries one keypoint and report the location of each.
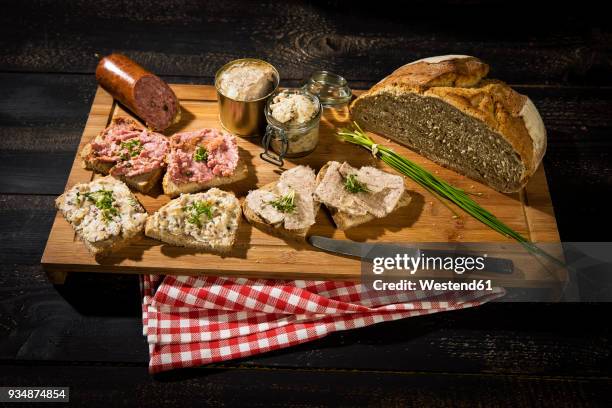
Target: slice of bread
(345, 220)
(142, 182)
(130, 216)
(171, 223)
(92, 164)
(278, 228)
(274, 229)
(174, 190)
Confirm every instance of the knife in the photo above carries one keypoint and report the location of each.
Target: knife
(364, 250)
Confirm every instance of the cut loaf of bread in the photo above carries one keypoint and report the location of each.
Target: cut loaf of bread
(444, 108)
(344, 220)
(174, 223)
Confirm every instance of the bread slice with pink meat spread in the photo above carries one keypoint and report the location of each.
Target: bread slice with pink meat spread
(128, 152)
(202, 159)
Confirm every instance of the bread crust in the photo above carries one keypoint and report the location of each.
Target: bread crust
(460, 82)
(152, 232)
(344, 220)
(174, 190)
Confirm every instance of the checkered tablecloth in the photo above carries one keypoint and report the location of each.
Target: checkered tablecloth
(191, 321)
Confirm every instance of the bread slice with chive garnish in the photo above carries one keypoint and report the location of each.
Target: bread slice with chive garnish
(285, 208)
(128, 152)
(207, 221)
(202, 159)
(356, 196)
(104, 214)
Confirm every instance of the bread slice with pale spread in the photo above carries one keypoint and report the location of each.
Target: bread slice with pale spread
(356, 196)
(128, 152)
(104, 214)
(202, 159)
(285, 208)
(207, 221)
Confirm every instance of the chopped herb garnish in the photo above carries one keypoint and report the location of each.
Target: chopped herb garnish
(133, 147)
(352, 185)
(104, 200)
(286, 203)
(196, 210)
(201, 154)
(134, 203)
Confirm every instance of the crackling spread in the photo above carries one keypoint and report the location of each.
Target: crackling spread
(212, 217)
(296, 113)
(292, 109)
(103, 209)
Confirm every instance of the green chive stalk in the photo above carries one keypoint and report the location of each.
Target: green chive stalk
(437, 187)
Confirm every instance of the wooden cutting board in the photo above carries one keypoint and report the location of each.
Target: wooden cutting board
(259, 255)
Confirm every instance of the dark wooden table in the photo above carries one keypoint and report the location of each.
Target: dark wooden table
(87, 334)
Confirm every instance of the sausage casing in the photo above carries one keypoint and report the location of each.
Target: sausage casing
(144, 93)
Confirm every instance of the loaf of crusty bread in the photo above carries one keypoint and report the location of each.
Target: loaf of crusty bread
(444, 108)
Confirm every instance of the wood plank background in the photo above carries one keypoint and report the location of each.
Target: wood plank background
(496, 355)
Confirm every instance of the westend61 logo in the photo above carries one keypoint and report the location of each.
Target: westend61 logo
(403, 264)
(411, 264)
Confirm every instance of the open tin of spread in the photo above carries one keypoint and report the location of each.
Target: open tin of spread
(243, 87)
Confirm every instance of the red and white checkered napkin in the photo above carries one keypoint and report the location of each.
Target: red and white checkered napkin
(190, 321)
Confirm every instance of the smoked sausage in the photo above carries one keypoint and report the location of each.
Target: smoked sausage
(144, 93)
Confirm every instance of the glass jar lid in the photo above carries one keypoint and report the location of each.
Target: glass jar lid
(331, 89)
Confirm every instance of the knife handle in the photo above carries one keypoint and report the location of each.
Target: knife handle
(492, 264)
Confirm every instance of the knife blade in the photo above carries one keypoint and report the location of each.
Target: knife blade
(365, 251)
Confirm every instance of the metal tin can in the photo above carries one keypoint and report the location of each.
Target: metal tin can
(243, 118)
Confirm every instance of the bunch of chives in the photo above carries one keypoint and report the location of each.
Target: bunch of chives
(437, 186)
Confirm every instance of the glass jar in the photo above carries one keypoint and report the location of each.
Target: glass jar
(290, 139)
(331, 89)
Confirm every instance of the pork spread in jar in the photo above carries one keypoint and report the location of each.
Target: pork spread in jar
(293, 117)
